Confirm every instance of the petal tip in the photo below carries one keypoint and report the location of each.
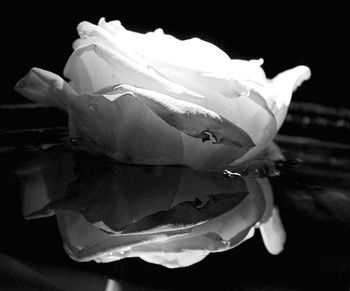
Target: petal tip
(304, 73)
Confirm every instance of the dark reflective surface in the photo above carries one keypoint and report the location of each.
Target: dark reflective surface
(172, 216)
(312, 193)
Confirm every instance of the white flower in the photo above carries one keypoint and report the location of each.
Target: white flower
(153, 99)
(172, 216)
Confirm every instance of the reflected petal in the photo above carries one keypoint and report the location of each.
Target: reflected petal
(173, 216)
(273, 233)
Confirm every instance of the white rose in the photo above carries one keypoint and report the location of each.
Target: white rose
(172, 216)
(153, 99)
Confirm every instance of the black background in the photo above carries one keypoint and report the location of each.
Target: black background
(285, 35)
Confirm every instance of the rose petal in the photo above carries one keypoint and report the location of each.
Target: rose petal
(207, 156)
(117, 195)
(40, 181)
(174, 260)
(46, 88)
(282, 87)
(257, 122)
(229, 84)
(91, 32)
(271, 227)
(93, 67)
(273, 233)
(194, 53)
(89, 73)
(96, 126)
(191, 119)
(85, 242)
(243, 216)
(196, 60)
(220, 81)
(186, 214)
(248, 70)
(126, 130)
(218, 234)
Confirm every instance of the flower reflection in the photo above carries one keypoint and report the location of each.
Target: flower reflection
(172, 216)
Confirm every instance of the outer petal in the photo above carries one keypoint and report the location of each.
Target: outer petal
(252, 118)
(244, 113)
(46, 88)
(125, 129)
(113, 121)
(282, 87)
(194, 120)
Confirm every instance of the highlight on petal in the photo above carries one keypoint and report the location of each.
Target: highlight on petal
(94, 66)
(91, 33)
(195, 60)
(253, 118)
(175, 260)
(193, 53)
(46, 88)
(249, 70)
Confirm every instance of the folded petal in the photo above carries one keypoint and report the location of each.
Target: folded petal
(187, 214)
(193, 120)
(250, 116)
(282, 87)
(96, 34)
(214, 85)
(46, 88)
